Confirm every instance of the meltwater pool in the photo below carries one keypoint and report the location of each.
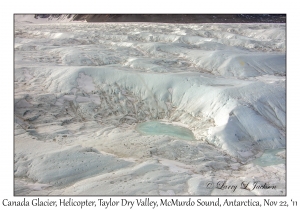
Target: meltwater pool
(269, 158)
(160, 128)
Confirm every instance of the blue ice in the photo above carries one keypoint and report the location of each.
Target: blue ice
(269, 158)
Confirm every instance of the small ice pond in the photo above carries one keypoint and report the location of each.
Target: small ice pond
(160, 128)
(269, 158)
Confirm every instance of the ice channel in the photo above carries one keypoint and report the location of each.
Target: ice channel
(160, 128)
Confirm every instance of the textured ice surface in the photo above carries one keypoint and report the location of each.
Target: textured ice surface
(82, 88)
(158, 128)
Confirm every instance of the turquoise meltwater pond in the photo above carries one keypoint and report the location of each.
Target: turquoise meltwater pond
(160, 128)
(269, 158)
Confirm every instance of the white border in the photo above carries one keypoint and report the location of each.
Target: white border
(153, 6)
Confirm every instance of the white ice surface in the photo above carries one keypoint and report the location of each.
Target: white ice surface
(81, 88)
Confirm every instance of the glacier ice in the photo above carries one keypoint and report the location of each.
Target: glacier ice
(91, 85)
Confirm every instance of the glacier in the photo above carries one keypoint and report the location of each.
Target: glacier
(81, 90)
